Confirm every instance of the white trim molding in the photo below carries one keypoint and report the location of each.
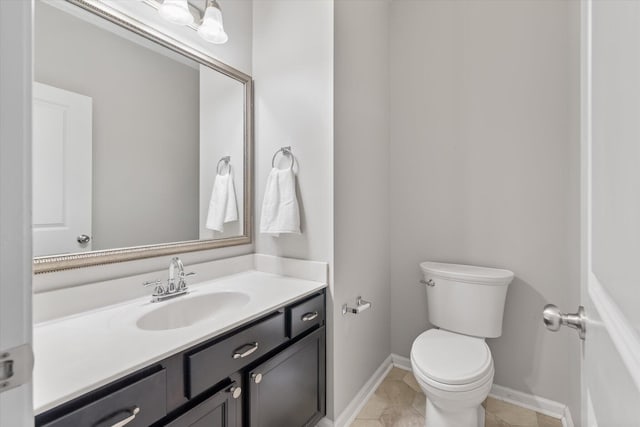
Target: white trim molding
(361, 398)
(533, 402)
(401, 362)
(624, 336)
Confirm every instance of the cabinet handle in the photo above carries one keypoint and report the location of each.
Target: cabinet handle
(309, 316)
(235, 391)
(257, 378)
(135, 411)
(245, 350)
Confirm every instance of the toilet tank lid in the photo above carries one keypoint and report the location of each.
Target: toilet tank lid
(468, 273)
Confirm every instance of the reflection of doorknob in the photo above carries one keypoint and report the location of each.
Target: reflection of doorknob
(83, 239)
(553, 319)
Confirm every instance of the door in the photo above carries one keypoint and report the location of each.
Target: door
(16, 407)
(611, 212)
(62, 146)
(288, 390)
(222, 409)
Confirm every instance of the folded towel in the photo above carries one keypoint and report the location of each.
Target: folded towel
(223, 206)
(280, 213)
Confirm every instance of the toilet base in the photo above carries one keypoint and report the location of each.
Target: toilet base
(467, 417)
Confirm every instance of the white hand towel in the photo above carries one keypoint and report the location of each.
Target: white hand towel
(223, 206)
(280, 212)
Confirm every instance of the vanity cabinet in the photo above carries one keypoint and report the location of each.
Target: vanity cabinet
(269, 372)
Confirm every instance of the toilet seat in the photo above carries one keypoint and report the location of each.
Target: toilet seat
(450, 361)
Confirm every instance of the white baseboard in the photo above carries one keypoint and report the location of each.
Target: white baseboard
(535, 403)
(325, 422)
(360, 399)
(401, 362)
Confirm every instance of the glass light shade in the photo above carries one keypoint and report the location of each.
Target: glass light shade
(176, 11)
(211, 28)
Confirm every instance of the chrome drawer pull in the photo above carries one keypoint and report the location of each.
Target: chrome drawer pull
(309, 316)
(245, 350)
(135, 411)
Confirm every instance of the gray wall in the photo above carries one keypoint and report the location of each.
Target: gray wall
(484, 170)
(293, 69)
(361, 192)
(145, 128)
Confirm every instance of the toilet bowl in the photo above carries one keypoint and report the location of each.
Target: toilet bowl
(455, 373)
(452, 363)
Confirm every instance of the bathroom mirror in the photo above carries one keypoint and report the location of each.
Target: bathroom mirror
(131, 130)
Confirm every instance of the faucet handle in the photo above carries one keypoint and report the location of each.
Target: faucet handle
(158, 290)
(183, 284)
(152, 283)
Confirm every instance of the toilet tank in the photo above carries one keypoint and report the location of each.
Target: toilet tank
(466, 299)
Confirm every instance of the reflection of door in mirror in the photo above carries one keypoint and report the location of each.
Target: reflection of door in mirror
(62, 143)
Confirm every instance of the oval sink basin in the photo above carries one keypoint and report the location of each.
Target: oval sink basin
(191, 310)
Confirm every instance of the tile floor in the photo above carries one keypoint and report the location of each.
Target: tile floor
(399, 402)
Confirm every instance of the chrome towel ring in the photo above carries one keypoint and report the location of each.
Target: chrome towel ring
(226, 160)
(286, 151)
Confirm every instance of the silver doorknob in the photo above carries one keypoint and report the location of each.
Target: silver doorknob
(83, 239)
(553, 319)
(257, 378)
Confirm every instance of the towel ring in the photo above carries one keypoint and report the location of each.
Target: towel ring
(286, 151)
(226, 160)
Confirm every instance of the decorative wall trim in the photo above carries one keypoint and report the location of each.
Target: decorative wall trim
(623, 335)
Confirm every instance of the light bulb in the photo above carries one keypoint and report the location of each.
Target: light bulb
(212, 29)
(176, 11)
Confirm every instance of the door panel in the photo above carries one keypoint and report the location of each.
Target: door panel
(616, 152)
(62, 147)
(219, 410)
(611, 212)
(291, 391)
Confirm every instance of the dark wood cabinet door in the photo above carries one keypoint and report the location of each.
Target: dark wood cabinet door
(288, 390)
(223, 409)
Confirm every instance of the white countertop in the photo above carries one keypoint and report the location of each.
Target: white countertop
(79, 353)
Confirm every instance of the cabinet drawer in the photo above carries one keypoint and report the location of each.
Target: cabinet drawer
(206, 367)
(305, 315)
(148, 395)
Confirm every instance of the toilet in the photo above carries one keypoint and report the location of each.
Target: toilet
(452, 362)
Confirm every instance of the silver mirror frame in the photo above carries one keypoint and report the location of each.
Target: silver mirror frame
(47, 264)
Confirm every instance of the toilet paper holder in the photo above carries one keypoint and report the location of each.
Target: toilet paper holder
(361, 305)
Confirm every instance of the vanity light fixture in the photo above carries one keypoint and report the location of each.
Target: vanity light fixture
(176, 12)
(182, 12)
(211, 29)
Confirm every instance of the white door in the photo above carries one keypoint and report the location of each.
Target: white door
(16, 403)
(62, 142)
(611, 212)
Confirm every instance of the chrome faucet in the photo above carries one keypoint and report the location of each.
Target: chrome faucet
(176, 284)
